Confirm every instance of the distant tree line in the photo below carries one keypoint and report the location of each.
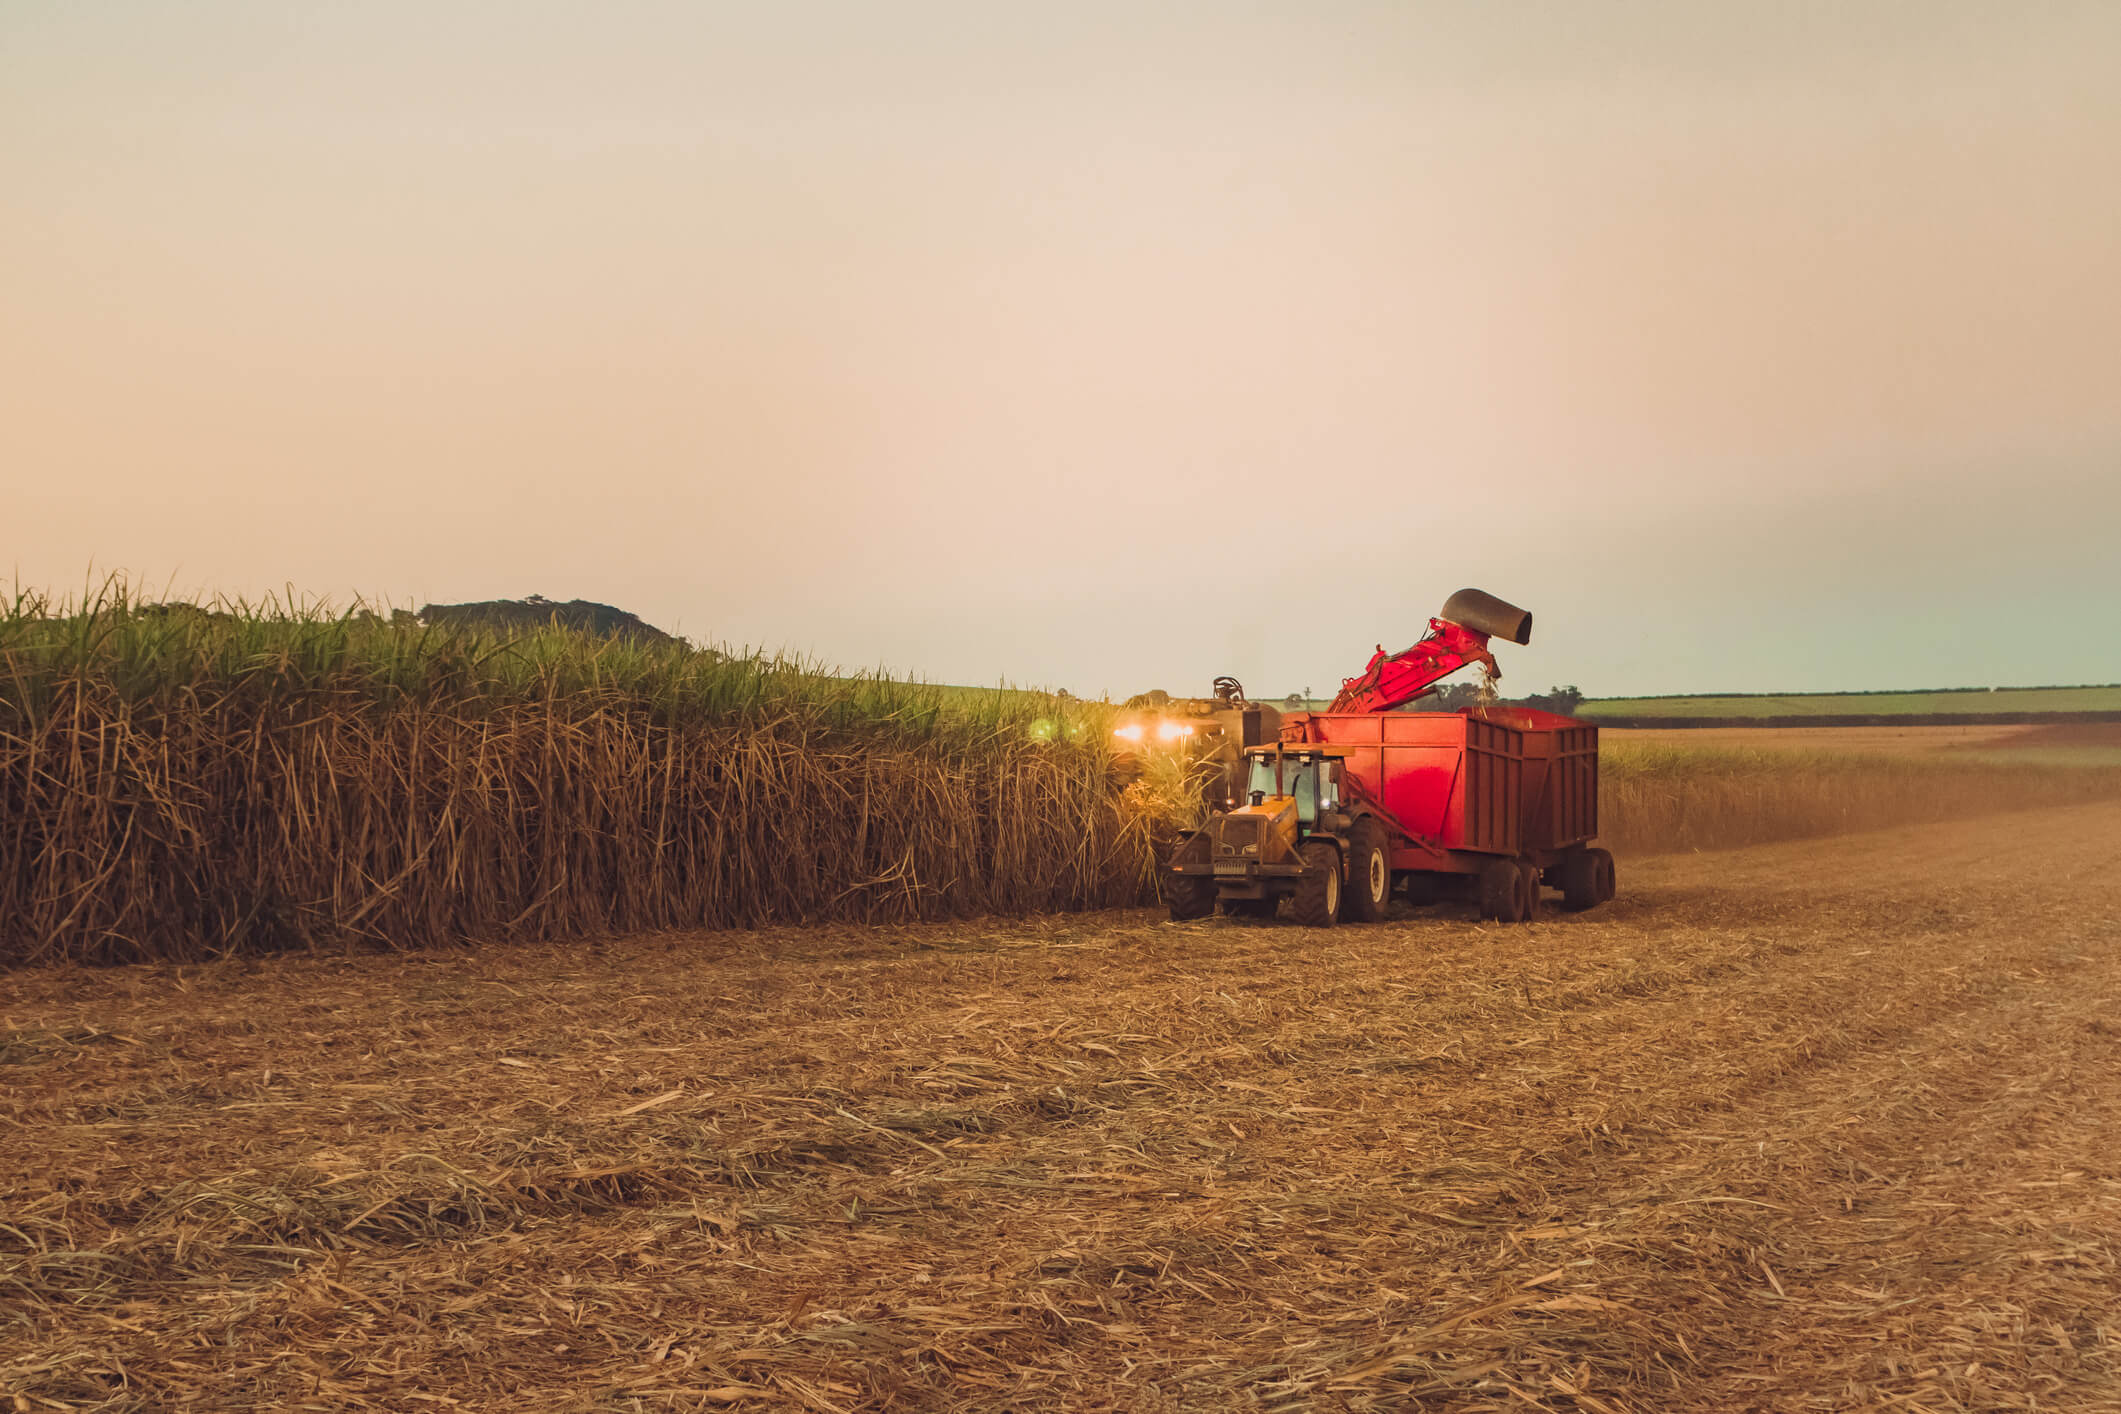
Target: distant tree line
(506, 616)
(1457, 696)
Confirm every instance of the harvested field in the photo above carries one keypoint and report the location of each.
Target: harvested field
(1829, 1125)
(2097, 736)
(2093, 738)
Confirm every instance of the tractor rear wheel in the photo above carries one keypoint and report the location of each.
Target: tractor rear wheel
(1500, 890)
(1316, 903)
(1369, 873)
(1191, 896)
(1579, 879)
(1605, 873)
(1528, 891)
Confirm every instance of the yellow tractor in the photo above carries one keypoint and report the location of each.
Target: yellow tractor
(1296, 836)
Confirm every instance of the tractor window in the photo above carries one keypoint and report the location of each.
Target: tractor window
(1297, 780)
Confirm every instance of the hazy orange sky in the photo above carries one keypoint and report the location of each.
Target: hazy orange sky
(1102, 346)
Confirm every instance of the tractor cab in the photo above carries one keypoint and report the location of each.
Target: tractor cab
(1289, 836)
(1307, 777)
(1289, 792)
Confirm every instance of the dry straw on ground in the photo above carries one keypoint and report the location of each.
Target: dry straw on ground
(1827, 1126)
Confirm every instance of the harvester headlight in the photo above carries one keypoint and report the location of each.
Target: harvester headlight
(1130, 732)
(1168, 730)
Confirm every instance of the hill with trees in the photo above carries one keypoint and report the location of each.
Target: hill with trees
(536, 611)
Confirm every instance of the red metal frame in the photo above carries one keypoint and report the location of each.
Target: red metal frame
(1395, 679)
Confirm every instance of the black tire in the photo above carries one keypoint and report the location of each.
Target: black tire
(1500, 890)
(1191, 896)
(1249, 907)
(1369, 873)
(1316, 903)
(1527, 891)
(1579, 880)
(1606, 881)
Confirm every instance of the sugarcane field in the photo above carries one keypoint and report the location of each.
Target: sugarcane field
(966, 708)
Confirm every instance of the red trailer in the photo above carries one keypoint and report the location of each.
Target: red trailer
(1500, 799)
(1351, 803)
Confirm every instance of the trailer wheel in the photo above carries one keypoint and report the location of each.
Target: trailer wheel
(1528, 891)
(1605, 873)
(1580, 880)
(1369, 873)
(1191, 896)
(1499, 890)
(1316, 903)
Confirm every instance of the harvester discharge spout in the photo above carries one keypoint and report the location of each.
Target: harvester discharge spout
(1484, 613)
(1457, 636)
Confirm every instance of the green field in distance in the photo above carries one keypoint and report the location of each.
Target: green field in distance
(1839, 704)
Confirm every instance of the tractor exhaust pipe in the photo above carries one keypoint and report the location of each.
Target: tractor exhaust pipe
(1484, 613)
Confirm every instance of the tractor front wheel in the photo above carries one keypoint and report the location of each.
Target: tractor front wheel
(1191, 896)
(1369, 873)
(1316, 903)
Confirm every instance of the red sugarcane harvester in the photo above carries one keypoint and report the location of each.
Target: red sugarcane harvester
(1345, 805)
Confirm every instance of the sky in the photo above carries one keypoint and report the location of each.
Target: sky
(1103, 346)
